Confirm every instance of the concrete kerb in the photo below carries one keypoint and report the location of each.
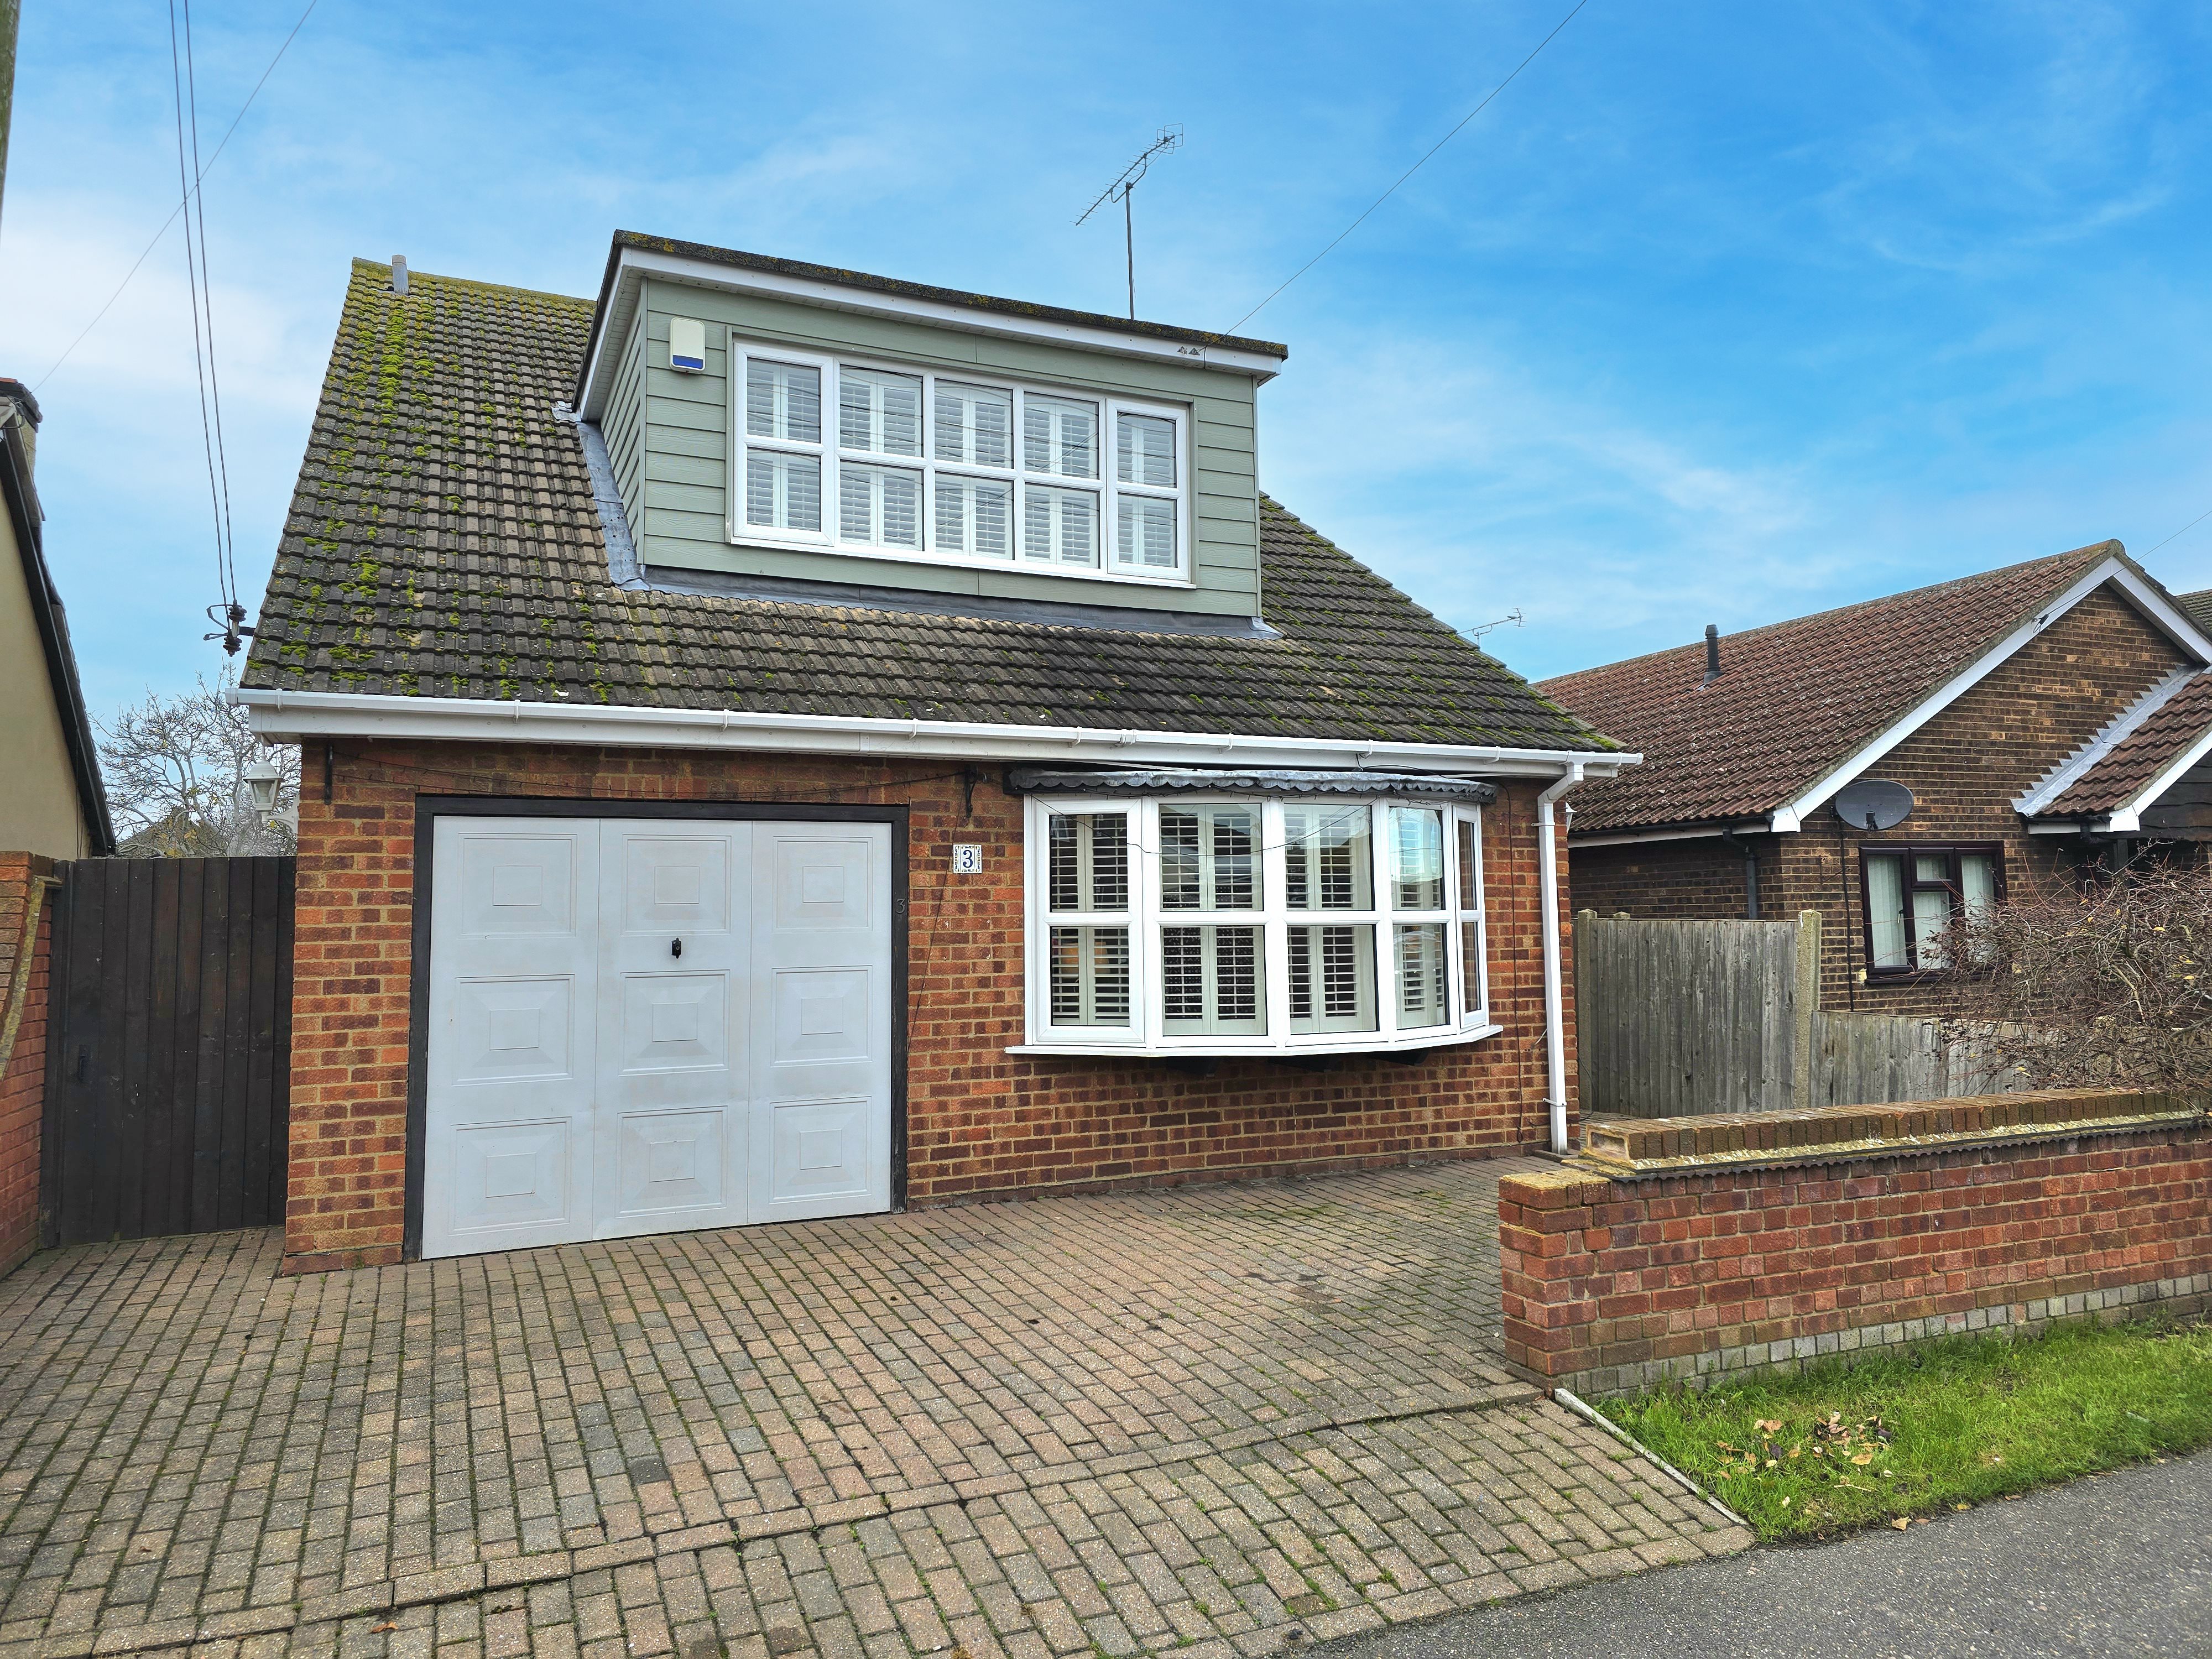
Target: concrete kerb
(1582, 1409)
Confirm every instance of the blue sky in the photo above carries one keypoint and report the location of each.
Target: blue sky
(1722, 312)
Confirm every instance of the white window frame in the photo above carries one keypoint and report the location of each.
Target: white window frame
(1108, 489)
(1145, 1032)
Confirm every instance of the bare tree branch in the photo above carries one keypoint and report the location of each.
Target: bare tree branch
(175, 770)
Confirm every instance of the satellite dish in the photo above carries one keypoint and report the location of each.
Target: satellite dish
(1874, 804)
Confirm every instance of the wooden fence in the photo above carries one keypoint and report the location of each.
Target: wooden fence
(169, 1047)
(1678, 1018)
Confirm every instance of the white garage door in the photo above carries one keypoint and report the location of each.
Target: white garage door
(640, 1025)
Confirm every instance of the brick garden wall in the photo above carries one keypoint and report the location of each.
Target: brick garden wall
(22, 1050)
(1614, 1281)
(1964, 768)
(980, 1122)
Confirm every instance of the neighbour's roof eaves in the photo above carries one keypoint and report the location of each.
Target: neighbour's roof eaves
(1795, 699)
(443, 542)
(2145, 750)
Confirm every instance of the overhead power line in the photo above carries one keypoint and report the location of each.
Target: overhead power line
(214, 156)
(1410, 170)
(2184, 531)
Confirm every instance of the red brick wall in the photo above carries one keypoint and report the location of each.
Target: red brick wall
(1615, 1283)
(980, 1122)
(23, 1063)
(1964, 768)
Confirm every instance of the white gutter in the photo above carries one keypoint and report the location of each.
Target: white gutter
(1555, 1017)
(293, 716)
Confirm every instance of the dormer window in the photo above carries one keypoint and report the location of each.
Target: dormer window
(958, 471)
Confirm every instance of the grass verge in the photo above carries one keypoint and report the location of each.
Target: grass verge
(1940, 1426)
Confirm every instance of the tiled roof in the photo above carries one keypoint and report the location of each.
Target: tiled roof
(2197, 607)
(442, 541)
(1793, 699)
(2142, 755)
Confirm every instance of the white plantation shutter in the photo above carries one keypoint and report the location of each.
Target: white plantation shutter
(880, 412)
(1060, 435)
(975, 515)
(783, 492)
(1087, 873)
(1059, 527)
(1146, 451)
(974, 425)
(1421, 982)
(783, 400)
(880, 507)
(1147, 534)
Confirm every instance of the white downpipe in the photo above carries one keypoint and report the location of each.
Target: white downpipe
(1555, 1013)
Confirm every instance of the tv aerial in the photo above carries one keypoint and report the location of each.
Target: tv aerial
(1169, 139)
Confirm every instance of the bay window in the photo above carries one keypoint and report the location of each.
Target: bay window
(859, 456)
(1913, 893)
(1237, 925)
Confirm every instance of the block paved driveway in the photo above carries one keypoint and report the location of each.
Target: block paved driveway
(1219, 1418)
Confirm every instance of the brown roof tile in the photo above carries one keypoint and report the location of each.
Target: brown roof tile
(442, 541)
(1793, 699)
(2140, 755)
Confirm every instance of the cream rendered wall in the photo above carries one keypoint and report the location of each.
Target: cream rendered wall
(39, 811)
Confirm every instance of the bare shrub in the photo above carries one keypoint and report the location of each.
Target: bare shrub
(2106, 986)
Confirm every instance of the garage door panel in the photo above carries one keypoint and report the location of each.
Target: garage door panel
(508, 1030)
(673, 1162)
(513, 884)
(817, 1159)
(676, 884)
(823, 1016)
(823, 882)
(675, 1022)
(512, 1183)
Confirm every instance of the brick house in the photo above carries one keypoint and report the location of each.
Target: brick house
(780, 742)
(2031, 723)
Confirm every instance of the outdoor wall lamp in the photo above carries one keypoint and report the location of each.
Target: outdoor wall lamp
(263, 779)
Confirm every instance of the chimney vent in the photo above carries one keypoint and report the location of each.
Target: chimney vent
(400, 273)
(1712, 652)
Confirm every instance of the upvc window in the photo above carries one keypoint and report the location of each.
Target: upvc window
(1913, 893)
(1254, 925)
(860, 457)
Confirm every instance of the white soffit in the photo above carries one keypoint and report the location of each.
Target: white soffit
(2155, 607)
(636, 264)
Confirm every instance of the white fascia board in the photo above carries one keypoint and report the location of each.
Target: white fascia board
(2062, 776)
(1792, 815)
(295, 716)
(636, 264)
(1632, 837)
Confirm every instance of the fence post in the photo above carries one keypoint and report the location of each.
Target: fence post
(1808, 995)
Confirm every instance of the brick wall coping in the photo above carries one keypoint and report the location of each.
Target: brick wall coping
(1629, 1147)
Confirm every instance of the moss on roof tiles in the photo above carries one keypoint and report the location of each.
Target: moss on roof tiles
(442, 540)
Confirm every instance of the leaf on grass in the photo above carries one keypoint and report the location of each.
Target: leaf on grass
(1798, 1450)
(1863, 1459)
(1769, 1425)
(1786, 1503)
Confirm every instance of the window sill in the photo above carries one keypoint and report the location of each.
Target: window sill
(1360, 1043)
(960, 561)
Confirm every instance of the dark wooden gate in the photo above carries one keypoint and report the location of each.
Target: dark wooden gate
(169, 1047)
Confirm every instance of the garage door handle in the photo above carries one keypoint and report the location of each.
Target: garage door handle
(675, 947)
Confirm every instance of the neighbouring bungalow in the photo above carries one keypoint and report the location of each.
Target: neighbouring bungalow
(1892, 765)
(784, 743)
